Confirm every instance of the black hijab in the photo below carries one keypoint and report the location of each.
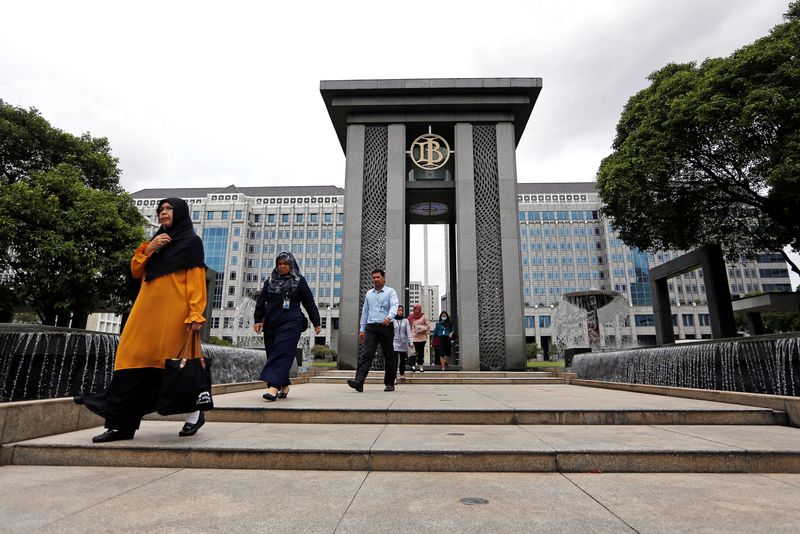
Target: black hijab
(184, 252)
(285, 283)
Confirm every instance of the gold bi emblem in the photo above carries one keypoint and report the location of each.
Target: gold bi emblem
(429, 151)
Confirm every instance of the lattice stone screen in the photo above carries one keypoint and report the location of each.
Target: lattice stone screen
(373, 221)
(491, 324)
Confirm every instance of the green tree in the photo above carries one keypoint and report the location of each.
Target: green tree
(69, 245)
(67, 228)
(321, 351)
(711, 153)
(29, 145)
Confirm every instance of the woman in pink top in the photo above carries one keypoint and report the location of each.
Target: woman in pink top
(420, 329)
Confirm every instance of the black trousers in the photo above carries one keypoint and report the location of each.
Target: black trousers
(132, 394)
(374, 335)
(419, 349)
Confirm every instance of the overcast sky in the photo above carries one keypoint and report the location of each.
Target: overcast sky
(204, 94)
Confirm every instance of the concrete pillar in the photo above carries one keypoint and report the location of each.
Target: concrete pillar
(467, 256)
(396, 259)
(349, 305)
(512, 262)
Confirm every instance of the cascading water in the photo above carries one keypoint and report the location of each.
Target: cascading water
(761, 364)
(41, 362)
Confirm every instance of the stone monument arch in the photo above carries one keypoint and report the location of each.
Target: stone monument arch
(428, 151)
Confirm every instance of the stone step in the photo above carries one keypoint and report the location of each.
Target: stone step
(491, 404)
(435, 371)
(280, 414)
(431, 378)
(465, 448)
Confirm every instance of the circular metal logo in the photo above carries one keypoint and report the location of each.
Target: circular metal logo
(430, 151)
(429, 209)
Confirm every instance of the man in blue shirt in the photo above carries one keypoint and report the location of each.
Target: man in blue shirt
(376, 327)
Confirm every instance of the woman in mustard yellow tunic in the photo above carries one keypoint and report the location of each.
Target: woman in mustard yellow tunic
(171, 301)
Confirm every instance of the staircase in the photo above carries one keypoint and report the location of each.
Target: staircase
(449, 421)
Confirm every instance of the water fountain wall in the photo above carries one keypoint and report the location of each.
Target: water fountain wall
(762, 364)
(41, 362)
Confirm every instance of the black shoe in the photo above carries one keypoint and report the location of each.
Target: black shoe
(269, 397)
(190, 429)
(113, 435)
(388, 388)
(355, 385)
(78, 399)
(283, 394)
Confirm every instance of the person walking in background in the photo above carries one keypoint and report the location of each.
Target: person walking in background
(420, 329)
(171, 301)
(444, 334)
(377, 313)
(402, 340)
(278, 315)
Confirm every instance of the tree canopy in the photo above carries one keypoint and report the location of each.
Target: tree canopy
(29, 144)
(67, 229)
(711, 153)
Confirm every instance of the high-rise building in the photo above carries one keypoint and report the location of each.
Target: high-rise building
(243, 230)
(566, 245)
(430, 304)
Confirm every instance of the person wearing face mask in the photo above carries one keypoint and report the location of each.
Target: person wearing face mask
(278, 315)
(170, 302)
(402, 340)
(444, 335)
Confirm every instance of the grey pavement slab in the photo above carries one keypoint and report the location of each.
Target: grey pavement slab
(95, 499)
(31, 497)
(777, 438)
(523, 503)
(486, 397)
(198, 500)
(668, 503)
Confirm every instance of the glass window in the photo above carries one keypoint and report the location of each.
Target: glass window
(544, 321)
(271, 218)
(224, 215)
(313, 217)
(238, 215)
(209, 215)
(237, 231)
(298, 217)
(284, 217)
(195, 215)
(328, 217)
(234, 260)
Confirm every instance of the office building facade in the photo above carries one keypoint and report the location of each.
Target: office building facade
(565, 244)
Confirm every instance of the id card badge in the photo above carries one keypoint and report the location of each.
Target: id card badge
(285, 303)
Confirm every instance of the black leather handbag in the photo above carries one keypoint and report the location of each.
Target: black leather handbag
(186, 386)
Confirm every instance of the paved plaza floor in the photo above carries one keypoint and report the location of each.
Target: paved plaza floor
(404, 461)
(104, 499)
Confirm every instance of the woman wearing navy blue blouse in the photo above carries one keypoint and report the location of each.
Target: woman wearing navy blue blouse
(278, 315)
